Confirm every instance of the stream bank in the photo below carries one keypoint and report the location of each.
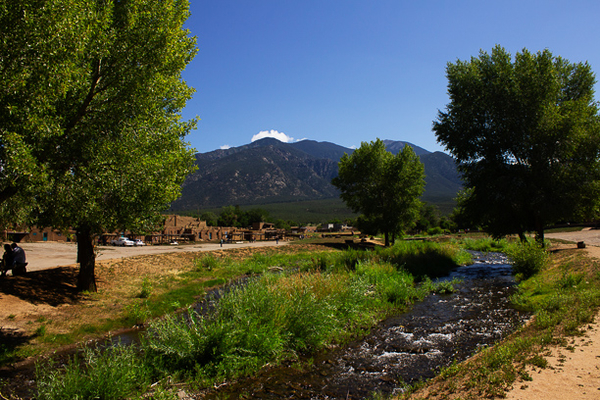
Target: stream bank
(403, 349)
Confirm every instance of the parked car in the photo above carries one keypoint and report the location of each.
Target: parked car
(122, 241)
(138, 242)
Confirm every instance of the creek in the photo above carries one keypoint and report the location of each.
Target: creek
(403, 349)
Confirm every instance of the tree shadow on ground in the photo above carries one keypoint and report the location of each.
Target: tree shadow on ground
(52, 286)
(339, 245)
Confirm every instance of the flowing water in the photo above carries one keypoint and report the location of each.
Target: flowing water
(403, 349)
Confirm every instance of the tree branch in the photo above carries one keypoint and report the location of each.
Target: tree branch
(88, 99)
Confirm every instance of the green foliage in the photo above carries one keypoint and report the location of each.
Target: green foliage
(485, 244)
(335, 297)
(207, 263)
(524, 132)
(278, 316)
(93, 114)
(423, 258)
(297, 213)
(146, 289)
(441, 286)
(527, 258)
(383, 187)
(435, 231)
(138, 313)
(112, 373)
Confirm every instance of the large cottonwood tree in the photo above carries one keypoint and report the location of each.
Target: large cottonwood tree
(526, 134)
(90, 130)
(384, 187)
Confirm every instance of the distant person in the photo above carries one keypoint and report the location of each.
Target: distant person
(19, 262)
(7, 259)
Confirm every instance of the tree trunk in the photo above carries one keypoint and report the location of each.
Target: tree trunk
(539, 237)
(387, 239)
(539, 233)
(86, 280)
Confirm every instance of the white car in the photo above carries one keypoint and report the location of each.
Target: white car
(138, 242)
(122, 241)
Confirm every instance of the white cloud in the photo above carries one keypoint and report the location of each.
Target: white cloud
(282, 137)
(225, 147)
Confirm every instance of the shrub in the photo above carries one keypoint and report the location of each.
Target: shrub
(435, 231)
(527, 258)
(112, 373)
(146, 290)
(422, 258)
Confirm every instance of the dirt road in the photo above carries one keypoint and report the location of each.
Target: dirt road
(45, 255)
(590, 236)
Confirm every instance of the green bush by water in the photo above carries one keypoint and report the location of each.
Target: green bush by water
(112, 373)
(276, 317)
(527, 258)
(424, 258)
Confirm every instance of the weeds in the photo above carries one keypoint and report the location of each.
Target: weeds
(527, 258)
(276, 317)
(563, 293)
(112, 373)
(485, 244)
(146, 289)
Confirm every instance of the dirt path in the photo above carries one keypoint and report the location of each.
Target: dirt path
(45, 255)
(573, 373)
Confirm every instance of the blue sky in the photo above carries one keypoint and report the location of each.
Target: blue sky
(348, 71)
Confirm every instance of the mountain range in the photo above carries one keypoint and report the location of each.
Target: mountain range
(270, 171)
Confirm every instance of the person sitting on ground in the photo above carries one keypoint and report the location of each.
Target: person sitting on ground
(7, 259)
(19, 261)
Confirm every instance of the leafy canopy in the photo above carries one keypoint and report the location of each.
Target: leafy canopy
(91, 135)
(526, 135)
(384, 187)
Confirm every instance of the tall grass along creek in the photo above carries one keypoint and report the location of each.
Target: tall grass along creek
(290, 308)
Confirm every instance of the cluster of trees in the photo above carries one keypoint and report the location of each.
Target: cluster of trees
(526, 135)
(383, 187)
(236, 217)
(91, 135)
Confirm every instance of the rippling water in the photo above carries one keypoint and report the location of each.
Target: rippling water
(405, 348)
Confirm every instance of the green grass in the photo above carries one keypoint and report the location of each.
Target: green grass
(483, 244)
(308, 302)
(277, 317)
(108, 374)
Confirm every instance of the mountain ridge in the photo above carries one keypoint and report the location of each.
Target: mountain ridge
(270, 171)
